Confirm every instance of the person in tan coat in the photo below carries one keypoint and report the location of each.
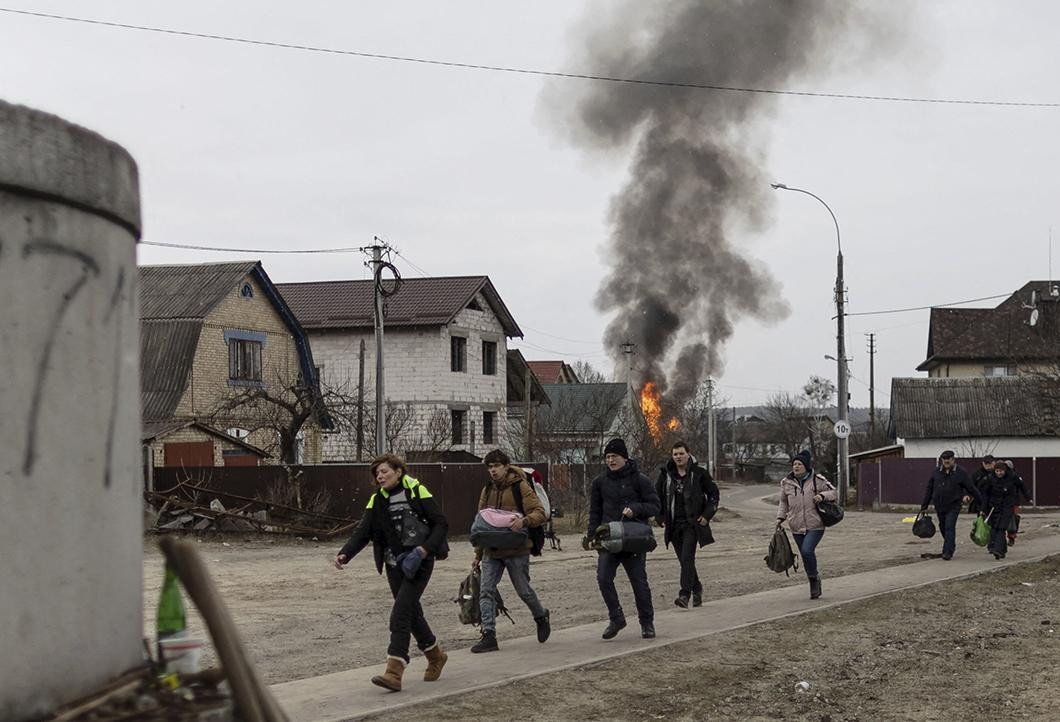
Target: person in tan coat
(500, 494)
(799, 493)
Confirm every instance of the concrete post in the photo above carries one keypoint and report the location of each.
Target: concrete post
(70, 478)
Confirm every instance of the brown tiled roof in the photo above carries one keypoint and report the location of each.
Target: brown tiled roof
(548, 372)
(1000, 334)
(419, 302)
(927, 408)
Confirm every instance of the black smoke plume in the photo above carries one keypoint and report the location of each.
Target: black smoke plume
(679, 276)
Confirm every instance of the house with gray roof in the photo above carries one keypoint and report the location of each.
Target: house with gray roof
(582, 417)
(210, 334)
(449, 376)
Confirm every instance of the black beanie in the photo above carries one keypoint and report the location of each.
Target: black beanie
(616, 446)
(805, 458)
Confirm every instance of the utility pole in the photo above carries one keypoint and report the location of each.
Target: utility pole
(360, 403)
(380, 385)
(712, 438)
(734, 444)
(628, 349)
(872, 385)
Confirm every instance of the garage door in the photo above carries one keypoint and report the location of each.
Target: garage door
(189, 453)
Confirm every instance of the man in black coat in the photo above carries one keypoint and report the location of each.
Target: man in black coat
(949, 487)
(622, 493)
(689, 500)
(980, 478)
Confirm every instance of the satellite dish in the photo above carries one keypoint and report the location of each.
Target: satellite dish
(1034, 317)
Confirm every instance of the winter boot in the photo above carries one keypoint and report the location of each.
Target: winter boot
(815, 587)
(681, 601)
(697, 599)
(391, 678)
(436, 659)
(488, 643)
(544, 628)
(613, 628)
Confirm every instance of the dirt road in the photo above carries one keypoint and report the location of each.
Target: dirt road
(300, 617)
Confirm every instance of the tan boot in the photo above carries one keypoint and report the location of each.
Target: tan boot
(391, 678)
(435, 661)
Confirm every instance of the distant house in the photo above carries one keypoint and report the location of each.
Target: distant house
(1021, 335)
(554, 372)
(446, 361)
(770, 445)
(581, 419)
(1005, 416)
(209, 332)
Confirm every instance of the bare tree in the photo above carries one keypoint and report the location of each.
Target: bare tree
(587, 373)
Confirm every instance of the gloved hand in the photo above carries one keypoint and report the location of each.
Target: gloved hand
(410, 562)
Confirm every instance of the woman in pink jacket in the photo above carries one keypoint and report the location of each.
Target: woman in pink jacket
(799, 493)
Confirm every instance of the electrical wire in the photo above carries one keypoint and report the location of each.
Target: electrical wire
(220, 249)
(531, 71)
(924, 308)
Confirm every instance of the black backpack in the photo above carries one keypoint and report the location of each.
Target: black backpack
(536, 533)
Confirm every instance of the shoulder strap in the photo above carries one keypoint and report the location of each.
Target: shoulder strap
(517, 494)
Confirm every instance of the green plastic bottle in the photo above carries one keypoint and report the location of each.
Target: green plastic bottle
(170, 618)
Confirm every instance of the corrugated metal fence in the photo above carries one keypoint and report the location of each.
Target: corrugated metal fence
(903, 481)
(345, 486)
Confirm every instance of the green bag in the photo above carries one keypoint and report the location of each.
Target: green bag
(980, 531)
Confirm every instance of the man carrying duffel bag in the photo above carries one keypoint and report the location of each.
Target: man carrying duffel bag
(622, 493)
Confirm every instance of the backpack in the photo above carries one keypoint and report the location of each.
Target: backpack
(536, 533)
(534, 477)
(468, 599)
(923, 526)
(780, 557)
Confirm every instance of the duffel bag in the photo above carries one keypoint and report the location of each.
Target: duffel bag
(923, 526)
(631, 537)
(490, 530)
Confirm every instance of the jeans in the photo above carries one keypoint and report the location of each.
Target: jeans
(948, 527)
(519, 572)
(684, 541)
(406, 616)
(807, 543)
(998, 540)
(636, 569)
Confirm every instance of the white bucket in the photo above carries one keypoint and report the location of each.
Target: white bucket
(180, 654)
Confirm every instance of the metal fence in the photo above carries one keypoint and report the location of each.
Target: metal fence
(903, 481)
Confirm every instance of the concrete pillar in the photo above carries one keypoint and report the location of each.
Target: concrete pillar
(70, 479)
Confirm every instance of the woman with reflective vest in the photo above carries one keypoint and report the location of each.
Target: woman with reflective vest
(408, 532)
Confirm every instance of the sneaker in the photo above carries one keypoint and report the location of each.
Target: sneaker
(647, 631)
(488, 643)
(682, 601)
(697, 599)
(613, 629)
(544, 629)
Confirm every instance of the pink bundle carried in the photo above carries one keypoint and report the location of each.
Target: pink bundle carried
(499, 517)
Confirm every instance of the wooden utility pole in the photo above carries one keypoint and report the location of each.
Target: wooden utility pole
(360, 403)
(872, 385)
(529, 418)
(734, 443)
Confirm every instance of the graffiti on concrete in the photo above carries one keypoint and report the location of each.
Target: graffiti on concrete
(115, 300)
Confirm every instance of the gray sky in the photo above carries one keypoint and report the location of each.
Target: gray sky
(461, 170)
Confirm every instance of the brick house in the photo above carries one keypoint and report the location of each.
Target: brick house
(447, 385)
(207, 333)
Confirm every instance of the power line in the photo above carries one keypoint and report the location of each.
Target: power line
(937, 305)
(220, 249)
(530, 71)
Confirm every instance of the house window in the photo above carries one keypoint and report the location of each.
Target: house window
(458, 425)
(489, 358)
(458, 353)
(237, 432)
(247, 291)
(489, 421)
(244, 360)
(993, 371)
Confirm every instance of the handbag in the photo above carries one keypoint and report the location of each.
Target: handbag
(829, 511)
(413, 531)
(923, 526)
(980, 532)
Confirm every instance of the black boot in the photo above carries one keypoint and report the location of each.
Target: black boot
(697, 599)
(647, 630)
(815, 587)
(614, 628)
(543, 627)
(488, 643)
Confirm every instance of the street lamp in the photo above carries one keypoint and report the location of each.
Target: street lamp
(844, 444)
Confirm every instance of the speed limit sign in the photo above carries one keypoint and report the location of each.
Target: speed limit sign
(842, 429)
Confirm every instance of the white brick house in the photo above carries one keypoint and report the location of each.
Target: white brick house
(445, 353)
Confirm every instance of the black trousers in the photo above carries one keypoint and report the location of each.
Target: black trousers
(636, 569)
(684, 542)
(998, 540)
(406, 616)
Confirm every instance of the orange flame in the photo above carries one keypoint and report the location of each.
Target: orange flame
(649, 405)
(672, 424)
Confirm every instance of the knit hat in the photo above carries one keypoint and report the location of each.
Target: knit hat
(616, 446)
(805, 458)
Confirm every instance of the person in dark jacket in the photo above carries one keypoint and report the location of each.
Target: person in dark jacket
(1002, 496)
(980, 478)
(1014, 526)
(622, 493)
(689, 500)
(408, 532)
(947, 488)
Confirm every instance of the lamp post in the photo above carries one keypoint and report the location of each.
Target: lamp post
(841, 354)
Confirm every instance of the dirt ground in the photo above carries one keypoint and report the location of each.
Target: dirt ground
(300, 617)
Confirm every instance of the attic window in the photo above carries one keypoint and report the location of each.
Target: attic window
(247, 291)
(474, 305)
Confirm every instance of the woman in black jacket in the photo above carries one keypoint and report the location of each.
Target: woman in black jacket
(1001, 492)
(408, 532)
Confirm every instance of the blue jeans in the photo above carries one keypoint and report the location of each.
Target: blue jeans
(636, 569)
(807, 543)
(948, 527)
(519, 572)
